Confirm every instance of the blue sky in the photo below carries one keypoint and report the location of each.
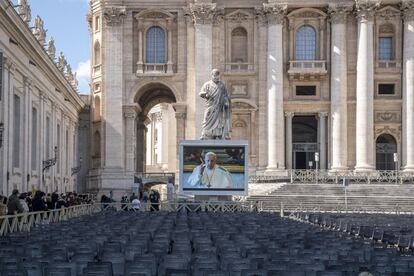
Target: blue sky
(65, 20)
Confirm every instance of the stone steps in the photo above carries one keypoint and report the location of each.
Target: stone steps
(330, 197)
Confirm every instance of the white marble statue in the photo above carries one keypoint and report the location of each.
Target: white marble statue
(217, 115)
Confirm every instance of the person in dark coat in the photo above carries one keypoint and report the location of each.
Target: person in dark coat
(13, 204)
(38, 204)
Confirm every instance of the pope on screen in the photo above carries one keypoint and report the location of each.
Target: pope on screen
(210, 175)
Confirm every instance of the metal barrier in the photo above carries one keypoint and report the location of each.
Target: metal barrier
(24, 222)
(335, 177)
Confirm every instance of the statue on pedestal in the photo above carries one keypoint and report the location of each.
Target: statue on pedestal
(217, 115)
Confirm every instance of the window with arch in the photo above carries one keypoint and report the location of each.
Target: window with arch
(97, 110)
(386, 42)
(305, 43)
(97, 53)
(155, 45)
(239, 45)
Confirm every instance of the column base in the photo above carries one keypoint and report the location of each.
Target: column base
(408, 168)
(339, 169)
(364, 169)
(276, 171)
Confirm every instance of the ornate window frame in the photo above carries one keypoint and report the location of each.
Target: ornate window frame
(392, 16)
(146, 19)
(239, 18)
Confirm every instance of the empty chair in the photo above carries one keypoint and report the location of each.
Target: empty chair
(71, 266)
(54, 271)
(103, 268)
(118, 261)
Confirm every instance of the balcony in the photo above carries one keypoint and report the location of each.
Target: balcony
(152, 69)
(388, 65)
(239, 68)
(307, 69)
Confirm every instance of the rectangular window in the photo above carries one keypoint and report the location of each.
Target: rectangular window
(386, 89)
(16, 132)
(34, 138)
(58, 148)
(97, 22)
(306, 90)
(385, 48)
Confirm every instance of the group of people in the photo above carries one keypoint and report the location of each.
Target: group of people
(133, 202)
(39, 201)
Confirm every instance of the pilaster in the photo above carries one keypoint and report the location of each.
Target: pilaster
(289, 116)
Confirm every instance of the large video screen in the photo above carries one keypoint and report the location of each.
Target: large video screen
(214, 167)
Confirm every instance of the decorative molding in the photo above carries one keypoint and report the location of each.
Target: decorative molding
(396, 132)
(89, 20)
(388, 13)
(339, 12)
(114, 16)
(366, 9)
(238, 16)
(387, 117)
(204, 13)
(289, 114)
(322, 114)
(407, 8)
(275, 12)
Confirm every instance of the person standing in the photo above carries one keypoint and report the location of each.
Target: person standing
(217, 115)
(13, 204)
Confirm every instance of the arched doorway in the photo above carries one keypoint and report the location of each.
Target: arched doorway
(305, 141)
(386, 146)
(156, 129)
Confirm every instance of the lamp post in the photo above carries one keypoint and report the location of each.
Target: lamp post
(49, 163)
(396, 167)
(77, 169)
(316, 164)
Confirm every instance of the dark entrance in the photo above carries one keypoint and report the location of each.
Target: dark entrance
(386, 146)
(305, 141)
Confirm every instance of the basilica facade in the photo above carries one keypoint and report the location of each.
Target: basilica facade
(319, 78)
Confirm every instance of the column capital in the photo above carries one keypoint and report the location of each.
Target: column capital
(322, 114)
(204, 13)
(366, 9)
(131, 111)
(289, 114)
(407, 8)
(27, 81)
(10, 65)
(114, 16)
(272, 13)
(339, 12)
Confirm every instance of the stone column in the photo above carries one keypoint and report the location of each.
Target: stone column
(322, 139)
(275, 119)
(365, 86)
(130, 114)
(113, 87)
(408, 84)
(339, 88)
(203, 16)
(141, 143)
(180, 116)
(170, 49)
(140, 62)
(8, 72)
(289, 116)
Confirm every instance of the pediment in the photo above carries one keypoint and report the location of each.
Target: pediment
(154, 14)
(239, 16)
(243, 104)
(388, 12)
(307, 13)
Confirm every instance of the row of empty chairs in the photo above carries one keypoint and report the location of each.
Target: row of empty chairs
(171, 243)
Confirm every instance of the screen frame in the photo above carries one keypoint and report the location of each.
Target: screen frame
(218, 144)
